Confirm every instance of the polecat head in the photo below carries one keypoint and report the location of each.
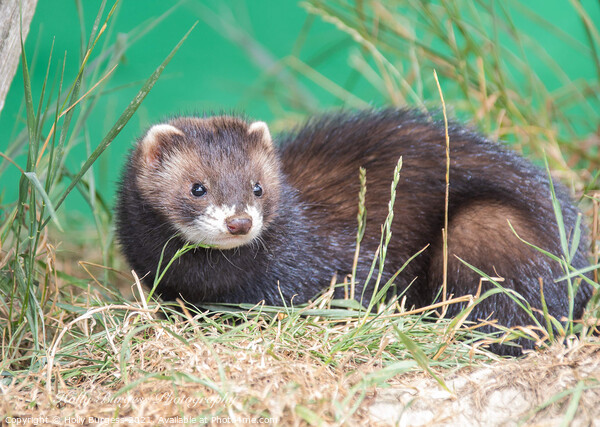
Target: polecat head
(215, 179)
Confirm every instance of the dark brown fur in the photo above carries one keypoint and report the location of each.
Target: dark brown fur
(310, 215)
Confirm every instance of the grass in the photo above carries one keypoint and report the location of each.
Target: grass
(79, 347)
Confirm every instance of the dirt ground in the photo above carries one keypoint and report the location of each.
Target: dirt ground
(544, 389)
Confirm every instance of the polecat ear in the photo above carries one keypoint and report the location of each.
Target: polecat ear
(155, 141)
(261, 129)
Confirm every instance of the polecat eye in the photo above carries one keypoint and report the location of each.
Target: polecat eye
(257, 190)
(198, 190)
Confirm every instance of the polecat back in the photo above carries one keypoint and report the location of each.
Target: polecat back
(281, 220)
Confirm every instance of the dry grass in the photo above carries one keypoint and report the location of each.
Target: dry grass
(152, 370)
(188, 369)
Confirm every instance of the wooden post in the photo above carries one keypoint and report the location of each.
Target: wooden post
(10, 39)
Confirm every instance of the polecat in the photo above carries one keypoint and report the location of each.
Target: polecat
(281, 218)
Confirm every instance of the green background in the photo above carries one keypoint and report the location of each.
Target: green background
(212, 73)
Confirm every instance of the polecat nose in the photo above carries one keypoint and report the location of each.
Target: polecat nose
(238, 224)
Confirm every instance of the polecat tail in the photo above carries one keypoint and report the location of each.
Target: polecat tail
(479, 234)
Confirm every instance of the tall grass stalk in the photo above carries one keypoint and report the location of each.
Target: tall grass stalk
(24, 281)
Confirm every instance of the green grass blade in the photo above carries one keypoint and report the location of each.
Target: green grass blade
(592, 32)
(547, 316)
(576, 237)
(512, 294)
(558, 214)
(31, 128)
(125, 352)
(573, 405)
(32, 177)
(420, 357)
(580, 273)
(73, 93)
(309, 416)
(41, 112)
(123, 119)
(574, 272)
(51, 156)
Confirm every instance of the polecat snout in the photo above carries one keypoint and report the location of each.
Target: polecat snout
(280, 220)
